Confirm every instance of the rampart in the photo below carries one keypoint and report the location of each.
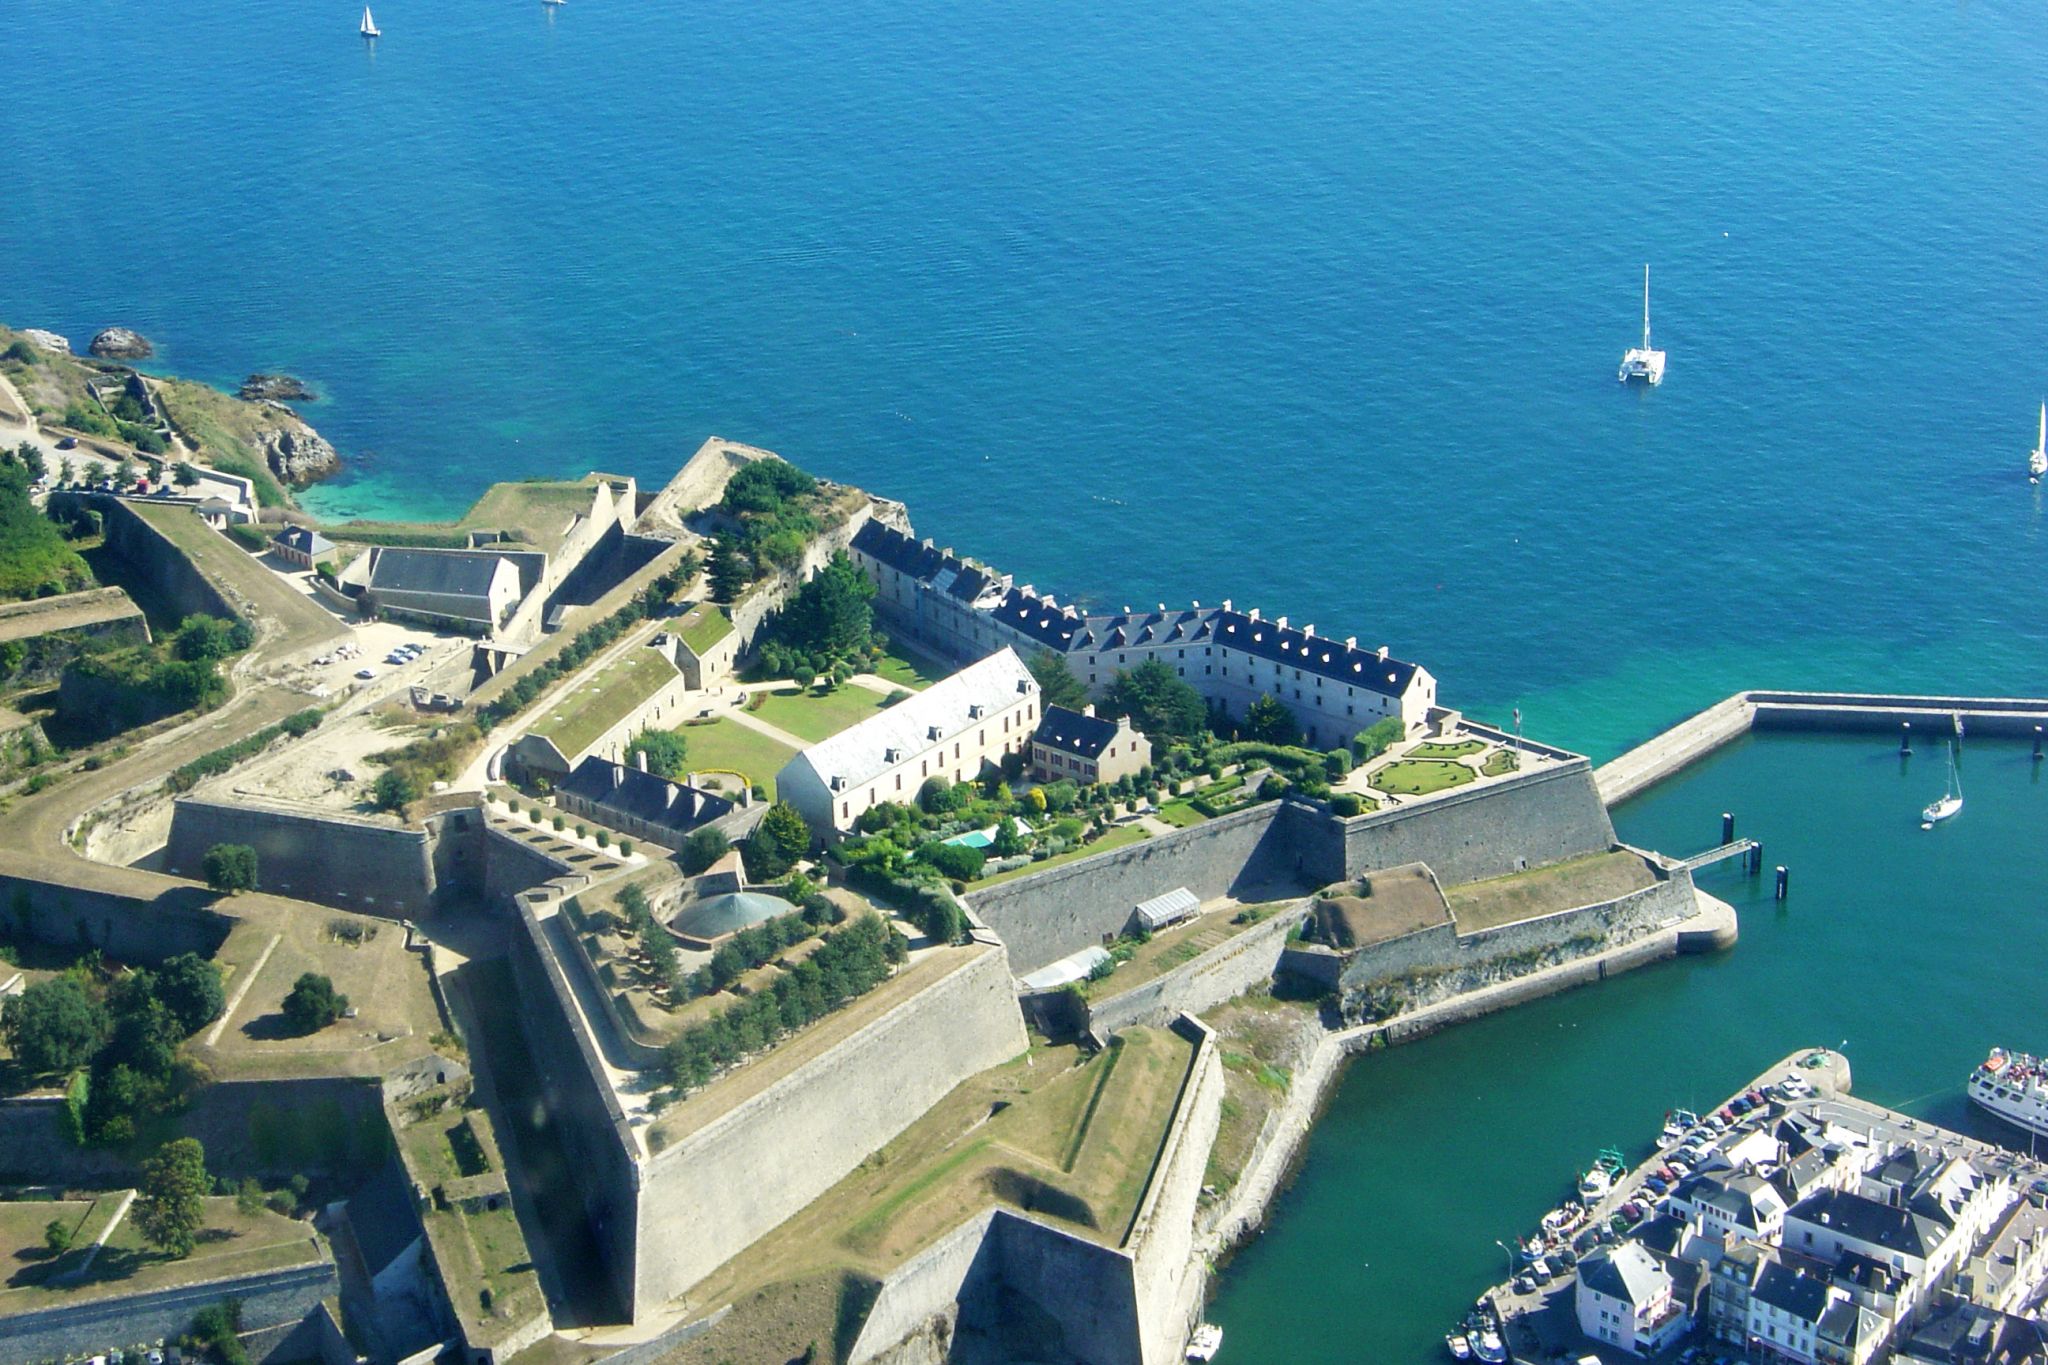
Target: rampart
(718, 1189)
(1224, 972)
(1004, 1271)
(72, 1329)
(1544, 815)
(332, 859)
(121, 926)
(51, 631)
(164, 564)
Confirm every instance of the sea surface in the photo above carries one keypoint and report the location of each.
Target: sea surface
(1313, 305)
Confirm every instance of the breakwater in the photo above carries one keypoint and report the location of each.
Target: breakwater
(1929, 716)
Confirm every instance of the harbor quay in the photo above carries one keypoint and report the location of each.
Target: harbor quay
(1793, 1223)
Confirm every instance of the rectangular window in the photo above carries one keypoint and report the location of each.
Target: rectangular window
(899, 782)
(1207, 667)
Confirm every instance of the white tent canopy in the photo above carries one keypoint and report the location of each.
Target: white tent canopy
(1074, 967)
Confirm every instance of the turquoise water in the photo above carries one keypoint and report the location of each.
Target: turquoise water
(1317, 306)
(1914, 950)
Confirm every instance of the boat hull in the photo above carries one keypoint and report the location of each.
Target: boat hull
(2023, 1105)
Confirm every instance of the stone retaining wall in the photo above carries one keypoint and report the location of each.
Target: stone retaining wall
(124, 927)
(1224, 972)
(76, 1329)
(1547, 814)
(369, 867)
(163, 563)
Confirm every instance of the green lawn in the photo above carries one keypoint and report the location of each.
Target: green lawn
(1435, 749)
(1181, 814)
(906, 670)
(1419, 777)
(812, 715)
(230, 1244)
(727, 744)
(600, 702)
(1500, 762)
(1116, 838)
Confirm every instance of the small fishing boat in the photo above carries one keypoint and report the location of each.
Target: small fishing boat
(1459, 1348)
(2037, 458)
(1487, 1345)
(1600, 1176)
(369, 28)
(1563, 1221)
(1206, 1342)
(1677, 1124)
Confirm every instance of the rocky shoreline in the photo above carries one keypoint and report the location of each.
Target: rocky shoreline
(276, 388)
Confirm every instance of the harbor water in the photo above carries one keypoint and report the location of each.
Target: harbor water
(1315, 306)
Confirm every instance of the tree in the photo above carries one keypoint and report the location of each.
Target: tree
(313, 1004)
(189, 987)
(249, 1198)
(1158, 701)
(54, 1025)
(668, 755)
(957, 861)
(229, 868)
(778, 842)
(703, 848)
(170, 1204)
(57, 1236)
(730, 573)
(394, 790)
(1376, 739)
(1271, 722)
(124, 472)
(831, 616)
(185, 476)
(32, 460)
(1056, 682)
(203, 637)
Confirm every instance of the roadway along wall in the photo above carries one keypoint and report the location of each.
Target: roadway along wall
(333, 860)
(1224, 972)
(1047, 915)
(717, 1190)
(78, 1329)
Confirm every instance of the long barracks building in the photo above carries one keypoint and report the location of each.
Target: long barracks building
(964, 611)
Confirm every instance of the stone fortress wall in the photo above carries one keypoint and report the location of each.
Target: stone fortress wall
(718, 1189)
(165, 565)
(268, 1298)
(329, 858)
(1224, 972)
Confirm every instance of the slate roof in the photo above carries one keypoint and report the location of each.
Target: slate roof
(1746, 1198)
(439, 573)
(644, 796)
(304, 539)
(1792, 1291)
(1073, 733)
(1125, 630)
(861, 752)
(1866, 1220)
(908, 555)
(1331, 659)
(1627, 1272)
(1038, 620)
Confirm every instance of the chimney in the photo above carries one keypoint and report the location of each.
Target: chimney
(1383, 651)
(640, 759)
(1162, 608)
(1280, 621)
(1309, 630)
(1253, 613)
(1351, 642)
(618, 778)
(927, 542)
(1089, 709)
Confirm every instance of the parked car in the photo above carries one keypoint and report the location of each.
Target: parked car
(68, 443)
(1656, 1184)
(366, 673)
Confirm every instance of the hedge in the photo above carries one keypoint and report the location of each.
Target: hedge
(219, 761)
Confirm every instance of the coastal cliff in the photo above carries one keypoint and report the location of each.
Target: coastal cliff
(295, 453)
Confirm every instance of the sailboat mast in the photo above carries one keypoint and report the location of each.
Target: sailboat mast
(1646, 305)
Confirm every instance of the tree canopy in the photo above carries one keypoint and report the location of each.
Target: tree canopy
(668, 754)
(729, 570)
(35, 560)
(313, 1004)
(703, 848)
(229, 868)
(170, 1203)
(781, 838)
(189, 987)
(1056, 682)
(54, 1026)
(830, 617)
(1158, 701)
(1271, 722)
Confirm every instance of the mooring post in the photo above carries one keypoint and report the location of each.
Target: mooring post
(1784, 880)
(1756, 858)
(1905, 736)
(1727, 828)
(2037, 744)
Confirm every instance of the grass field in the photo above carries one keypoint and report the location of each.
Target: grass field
(813, 715)
(230, 1244)
(1116, 838)
(538, 513)
(1464, 748)
(600, 702)
(1421, 776)
(904, 669)
(703, 626)
(727, 744)
(1500, 763)
(1547, 890)
(1180, 814)
(303, 620)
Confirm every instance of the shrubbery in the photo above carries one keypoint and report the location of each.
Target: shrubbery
(34, 560)
(313, 1004)
(190, 775)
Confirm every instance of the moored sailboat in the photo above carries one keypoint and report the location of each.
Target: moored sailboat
(1643, 362)
(1952, 796)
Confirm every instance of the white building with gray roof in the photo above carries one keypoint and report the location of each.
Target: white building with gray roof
(950, 730)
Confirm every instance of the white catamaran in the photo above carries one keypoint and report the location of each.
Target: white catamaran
(1642, 362)
(1952, 796)
(369, 28)
(2037, 458)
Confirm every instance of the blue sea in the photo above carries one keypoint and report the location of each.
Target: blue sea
(1316, 306)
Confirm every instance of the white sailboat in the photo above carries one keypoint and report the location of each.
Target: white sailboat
(1952, 796)
(2037, 458)
(1643, 362)
(369, 28)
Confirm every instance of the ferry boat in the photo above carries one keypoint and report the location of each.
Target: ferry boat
(2014, 1086)
(1206, 1342)
(1642, 362)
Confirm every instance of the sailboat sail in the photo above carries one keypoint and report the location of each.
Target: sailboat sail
(369, 29)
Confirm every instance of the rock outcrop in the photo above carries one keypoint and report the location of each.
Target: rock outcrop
(48, 341)
(119, 343)
(276, 388)
(296, 453)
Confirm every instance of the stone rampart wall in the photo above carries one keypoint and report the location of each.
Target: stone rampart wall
(371, 868)
(124, 927)
(166, 567)
(579, 1103)
(511, 866)
(720, 1188)
(1162, 1238)
(1542, 816)
(77, 1329)
(46, 649)
(1224, 972)
(1047, 915)
(913, 1317)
